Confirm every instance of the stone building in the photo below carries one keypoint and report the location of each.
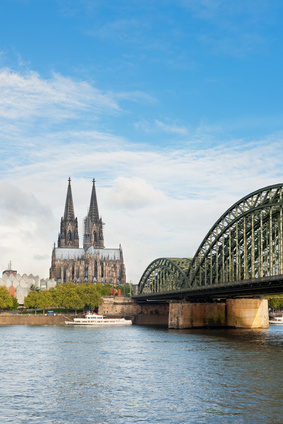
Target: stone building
(19, 285)
(93, 262)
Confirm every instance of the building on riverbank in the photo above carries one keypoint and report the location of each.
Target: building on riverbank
(93, 262)
(19, 285)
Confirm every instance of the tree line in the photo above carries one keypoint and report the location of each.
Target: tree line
(66, 295)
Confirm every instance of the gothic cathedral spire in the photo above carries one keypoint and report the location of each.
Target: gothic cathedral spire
(69, 236)
(93, 233)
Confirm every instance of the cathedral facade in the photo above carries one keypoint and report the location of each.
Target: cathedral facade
(91, 263)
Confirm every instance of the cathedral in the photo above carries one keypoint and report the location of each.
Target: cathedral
(91, 263)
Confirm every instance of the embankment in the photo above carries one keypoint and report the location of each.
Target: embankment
(31, 319)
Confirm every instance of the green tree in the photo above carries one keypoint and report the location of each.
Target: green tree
(105, 289)
(6, 299)
(125, 289)
(67, 295)
(275, 302)
(90, 294)
(72, 300)
(32, 300)
(45, 300)
(34, 288)
(15, 304)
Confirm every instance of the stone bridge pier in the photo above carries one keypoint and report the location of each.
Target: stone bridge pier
(233, 313)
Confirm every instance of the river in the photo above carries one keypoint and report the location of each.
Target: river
(79, 375)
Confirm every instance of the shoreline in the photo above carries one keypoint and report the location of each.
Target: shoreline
(31, 319)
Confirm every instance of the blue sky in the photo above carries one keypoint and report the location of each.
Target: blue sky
(175, 107)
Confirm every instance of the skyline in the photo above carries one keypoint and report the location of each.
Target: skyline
(174, 107)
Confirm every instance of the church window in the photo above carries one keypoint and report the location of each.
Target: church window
(73, 273)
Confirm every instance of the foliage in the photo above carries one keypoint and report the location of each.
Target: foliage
(105, 289)
(67, 295)
(125, 289)
(32, 300)
(34, 288)
(276, 302)
(6, 299)
(15, 304)
(90, 295)
(45, 300)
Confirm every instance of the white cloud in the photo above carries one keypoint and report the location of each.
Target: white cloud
(154, 202)
(159, 126)
(132, 193)
(28, 95)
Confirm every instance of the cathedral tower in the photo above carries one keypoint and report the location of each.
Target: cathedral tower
(69, 235)
(93, 263)
(93, 225)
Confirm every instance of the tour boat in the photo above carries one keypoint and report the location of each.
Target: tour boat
(94, 319)
(276, 320)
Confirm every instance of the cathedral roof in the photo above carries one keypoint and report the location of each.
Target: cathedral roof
(112, 254)
(69, 253)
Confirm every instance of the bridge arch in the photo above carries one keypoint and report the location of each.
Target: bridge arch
(246, 242)
(164, 274)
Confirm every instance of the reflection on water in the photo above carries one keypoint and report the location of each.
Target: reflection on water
(140, 375)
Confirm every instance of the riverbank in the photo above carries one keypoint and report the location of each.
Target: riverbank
(32, 319)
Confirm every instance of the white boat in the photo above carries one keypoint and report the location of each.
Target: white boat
(276, 320)
(92, 319)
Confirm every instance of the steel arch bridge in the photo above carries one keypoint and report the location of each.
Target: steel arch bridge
(243, 248)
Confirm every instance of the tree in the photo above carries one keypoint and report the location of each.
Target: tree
(45, 300)
(6, 299)
(125, 289)
(90, 294)
(32, 300)
(34, 288)
(105, 289)
(67, 295)
(73, 300)
(276, 302)
(15, 303)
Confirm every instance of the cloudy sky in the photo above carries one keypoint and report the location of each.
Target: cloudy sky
(173, 106)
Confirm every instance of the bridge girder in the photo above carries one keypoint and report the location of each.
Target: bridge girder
(246, 242)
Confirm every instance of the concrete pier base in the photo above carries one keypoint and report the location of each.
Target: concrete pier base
(247, 313)
(237, 313)
(196, 315)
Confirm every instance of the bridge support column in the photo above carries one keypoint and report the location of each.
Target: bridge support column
(235, 313)
(247, 313)
(196, 315)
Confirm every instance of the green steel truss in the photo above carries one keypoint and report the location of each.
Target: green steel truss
(245, 243)
(164, 274)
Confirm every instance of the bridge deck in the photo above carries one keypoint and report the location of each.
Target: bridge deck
(251, 287)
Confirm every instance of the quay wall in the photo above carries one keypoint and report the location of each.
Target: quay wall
(141, 314)
(31, 319)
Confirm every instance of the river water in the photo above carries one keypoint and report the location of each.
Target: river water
(80, 375)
